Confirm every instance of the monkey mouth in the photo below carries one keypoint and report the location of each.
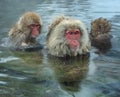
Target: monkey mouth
(74, 43)
(35, 33)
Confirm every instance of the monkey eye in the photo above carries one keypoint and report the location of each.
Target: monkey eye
(34, 25)
(69, 32)
(37, 25)
(77, 31)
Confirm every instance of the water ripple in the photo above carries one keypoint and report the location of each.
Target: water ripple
(3, 83)
(7, 59)
(3, 75)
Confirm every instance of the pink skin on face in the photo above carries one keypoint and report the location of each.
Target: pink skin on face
(35, 29)
(73, 37)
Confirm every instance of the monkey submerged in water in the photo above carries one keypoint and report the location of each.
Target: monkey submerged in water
(25, 31)
(100, 34)
(67, 36)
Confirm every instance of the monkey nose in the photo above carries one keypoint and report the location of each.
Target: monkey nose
(74, 37)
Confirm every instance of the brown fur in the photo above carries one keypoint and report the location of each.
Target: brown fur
(56, 42)
(100, 26)
(20, 33)
(100, 34)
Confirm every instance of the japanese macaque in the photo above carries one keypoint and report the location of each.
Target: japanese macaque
(26, 30)
(100, 34)
(67, 37)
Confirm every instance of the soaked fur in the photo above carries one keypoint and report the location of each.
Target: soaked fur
(56, 42)
(100, 34)
(19, 34)
(100, 26)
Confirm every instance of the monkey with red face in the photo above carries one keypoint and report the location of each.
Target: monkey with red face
(25, 31)
(67, 36)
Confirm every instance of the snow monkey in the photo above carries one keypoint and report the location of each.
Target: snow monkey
(26, 30)
(67, 36)
(100, 34)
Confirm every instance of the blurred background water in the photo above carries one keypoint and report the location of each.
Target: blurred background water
(34, 74)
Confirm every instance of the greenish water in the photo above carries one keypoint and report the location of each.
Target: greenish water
(36, 74)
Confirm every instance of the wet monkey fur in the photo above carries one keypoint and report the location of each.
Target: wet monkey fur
(100, 34)
(67, 36)
(26, 30)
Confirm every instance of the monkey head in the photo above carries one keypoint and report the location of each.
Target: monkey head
(25, 31)
(100, 34)
(100, 26)
(31, 24)
(67, 37)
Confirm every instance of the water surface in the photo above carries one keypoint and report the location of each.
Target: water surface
(35, 74)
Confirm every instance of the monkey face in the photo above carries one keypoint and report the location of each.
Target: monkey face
(30, 22)
(73, 36)
(35, 30)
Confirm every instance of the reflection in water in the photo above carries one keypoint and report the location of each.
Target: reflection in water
(70, 71)
(27, 77)
(30, 58)
(33, 75)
